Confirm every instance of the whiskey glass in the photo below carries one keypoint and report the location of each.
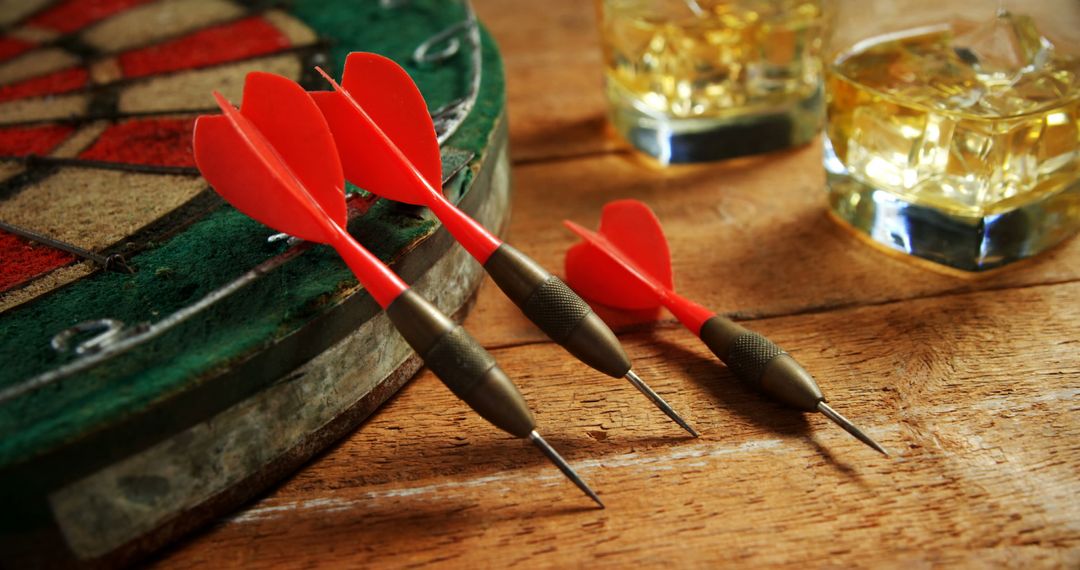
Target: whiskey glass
(698, 80)
(953, 128)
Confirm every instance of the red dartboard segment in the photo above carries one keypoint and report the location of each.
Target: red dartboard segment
(24, 260)
(237, 40)
(61, 81)
(39, 140)
(162, 142)
(73, 15)
(112, 188)
(11, 47)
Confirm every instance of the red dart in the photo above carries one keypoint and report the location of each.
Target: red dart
(627, 264)
(275, 160)
(389, 147)
(294, 185)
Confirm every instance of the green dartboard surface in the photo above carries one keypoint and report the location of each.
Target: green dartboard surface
(166, 358)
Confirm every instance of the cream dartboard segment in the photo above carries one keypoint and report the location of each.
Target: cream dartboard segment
(147, 328)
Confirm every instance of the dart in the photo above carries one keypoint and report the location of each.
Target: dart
(388, 146)
(275, 161)
(627, 265)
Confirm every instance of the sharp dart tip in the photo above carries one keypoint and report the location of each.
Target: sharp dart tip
(659, 402)
(849, 427)
(564, 466)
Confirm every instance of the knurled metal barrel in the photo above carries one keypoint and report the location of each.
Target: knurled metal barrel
(557, 310)
(759, 361)
(461, 363)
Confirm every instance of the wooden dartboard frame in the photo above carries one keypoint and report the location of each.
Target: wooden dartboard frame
(103, 456)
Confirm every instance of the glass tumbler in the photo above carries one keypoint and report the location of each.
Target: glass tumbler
(697, 80)
(953, 128)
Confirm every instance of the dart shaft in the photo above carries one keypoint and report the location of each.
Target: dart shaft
(475, 238)
(750, 356)
(445, 347)
(379, 280)
(471, 373)
(279, 186)
(412, 186)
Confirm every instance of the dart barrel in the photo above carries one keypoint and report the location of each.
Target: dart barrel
(557, 310)
(226, 350)
(461, 363)
(755, 359)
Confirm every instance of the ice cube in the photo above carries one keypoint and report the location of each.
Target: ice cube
(1004, 46)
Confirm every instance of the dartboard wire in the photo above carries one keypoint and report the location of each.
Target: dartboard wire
(112, 256)
(124, 338)
(250, 12)
(114, 262)
(88, 55)
(92, 54)
(128, 337)
(449, 117)
(104, 96)
(116, 117)
(34, 159)
(32, 175)
(310, 54)
(129, 246)
(131, 337)
(6, 29)
(140, 333)
(113, 88)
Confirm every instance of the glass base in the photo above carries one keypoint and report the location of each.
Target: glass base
(971, 243)
(673, 140)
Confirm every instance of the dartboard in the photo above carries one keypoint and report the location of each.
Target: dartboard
(165, 357)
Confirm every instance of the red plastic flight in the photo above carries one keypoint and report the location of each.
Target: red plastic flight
(388, 145)
(628, 264)
(285, 174)
(384, 132)
(275, 160)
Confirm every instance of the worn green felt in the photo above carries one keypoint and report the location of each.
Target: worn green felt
(216, 250)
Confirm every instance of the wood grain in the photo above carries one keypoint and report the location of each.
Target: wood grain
(749, 238)
(976, 397)
(973, 383)
(554, 88)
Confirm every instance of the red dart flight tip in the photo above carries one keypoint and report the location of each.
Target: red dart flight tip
(577, 229)
(224, 103)
(591, 237)
(327, 77)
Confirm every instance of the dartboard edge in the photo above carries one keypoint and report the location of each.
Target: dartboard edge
(107, 464)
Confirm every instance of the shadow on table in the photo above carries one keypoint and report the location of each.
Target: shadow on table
(744, 401)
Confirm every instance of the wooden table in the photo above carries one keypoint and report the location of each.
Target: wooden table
(973, 383)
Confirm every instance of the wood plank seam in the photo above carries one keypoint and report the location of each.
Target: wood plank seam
(669, 323)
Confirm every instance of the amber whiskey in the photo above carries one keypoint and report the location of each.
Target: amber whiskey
(958, 142)
(697, 80)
